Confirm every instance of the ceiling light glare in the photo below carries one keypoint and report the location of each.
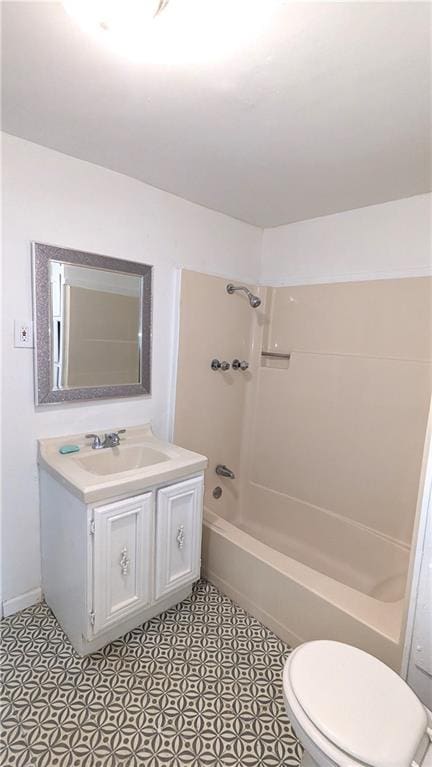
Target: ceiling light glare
(173, 31)
(116, 17)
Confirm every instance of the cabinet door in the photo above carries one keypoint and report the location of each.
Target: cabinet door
(178, 535)
(122, 559)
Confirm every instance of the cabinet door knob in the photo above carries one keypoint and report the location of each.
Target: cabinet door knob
(180, 536)
(124, 562)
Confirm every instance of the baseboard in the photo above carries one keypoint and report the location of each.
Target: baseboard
(11, 606)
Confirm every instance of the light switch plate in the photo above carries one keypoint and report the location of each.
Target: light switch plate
(23, 334)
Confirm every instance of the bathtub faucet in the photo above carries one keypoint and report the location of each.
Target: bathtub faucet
(224, 471)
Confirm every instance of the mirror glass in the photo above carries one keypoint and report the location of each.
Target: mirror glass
(92, 325)
(95, 332)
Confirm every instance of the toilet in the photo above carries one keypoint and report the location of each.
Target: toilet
(350, 710)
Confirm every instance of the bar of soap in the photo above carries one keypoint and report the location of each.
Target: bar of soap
(69, 449)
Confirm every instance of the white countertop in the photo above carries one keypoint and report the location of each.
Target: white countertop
(91, 487)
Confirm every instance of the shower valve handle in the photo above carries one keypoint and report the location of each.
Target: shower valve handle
(216, 365)
(237, 365)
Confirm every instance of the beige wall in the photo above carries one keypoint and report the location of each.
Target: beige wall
(209, 404)
(343, 427)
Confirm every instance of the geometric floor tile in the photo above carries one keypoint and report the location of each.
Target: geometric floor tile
(197, 686)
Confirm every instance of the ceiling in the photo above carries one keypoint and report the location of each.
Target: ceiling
(320, 108)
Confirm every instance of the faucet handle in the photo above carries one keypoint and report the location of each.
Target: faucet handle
(96, 444)
(112, 439)
(116, 434)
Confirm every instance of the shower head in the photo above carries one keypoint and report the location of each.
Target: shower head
(254, 301)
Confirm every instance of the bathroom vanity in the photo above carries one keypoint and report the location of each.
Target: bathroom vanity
(121, 532)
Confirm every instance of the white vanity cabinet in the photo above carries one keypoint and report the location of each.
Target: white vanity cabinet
(122, 534)
(178, 535)
(108, 567)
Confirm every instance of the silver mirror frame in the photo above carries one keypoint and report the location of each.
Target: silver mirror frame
(42, 255)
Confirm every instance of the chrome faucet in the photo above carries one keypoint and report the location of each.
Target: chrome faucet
(224, 471)
(112, 439)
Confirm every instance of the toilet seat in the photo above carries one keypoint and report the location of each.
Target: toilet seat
(353, 707)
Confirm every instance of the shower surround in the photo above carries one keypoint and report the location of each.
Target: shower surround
(313, 535)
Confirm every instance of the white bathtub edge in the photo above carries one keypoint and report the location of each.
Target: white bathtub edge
(253, 608)
(280, 593)
(334, 592)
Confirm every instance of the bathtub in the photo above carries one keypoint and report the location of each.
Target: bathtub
(310, 576)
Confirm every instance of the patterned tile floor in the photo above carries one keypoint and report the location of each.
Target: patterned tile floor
(199, 685)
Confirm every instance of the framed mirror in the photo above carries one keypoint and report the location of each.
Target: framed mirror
(92, 318)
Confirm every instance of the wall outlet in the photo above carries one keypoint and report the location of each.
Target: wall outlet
(23, 334)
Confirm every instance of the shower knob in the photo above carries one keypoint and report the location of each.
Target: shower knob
(237, 365)
(216, 365)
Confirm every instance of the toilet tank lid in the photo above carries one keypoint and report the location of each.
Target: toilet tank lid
(358, 703)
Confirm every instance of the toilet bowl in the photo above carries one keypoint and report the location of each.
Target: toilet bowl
(350, 710)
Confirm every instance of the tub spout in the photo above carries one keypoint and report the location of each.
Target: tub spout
(224, 471)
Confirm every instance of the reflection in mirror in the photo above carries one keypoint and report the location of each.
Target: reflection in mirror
(95, 317)
(92, 325)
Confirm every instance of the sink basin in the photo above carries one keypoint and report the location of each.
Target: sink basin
(141, 461)
(115, 460)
